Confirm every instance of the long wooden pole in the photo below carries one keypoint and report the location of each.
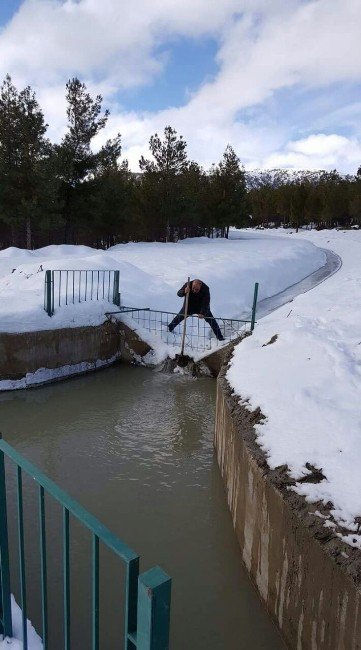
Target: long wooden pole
(185, 317)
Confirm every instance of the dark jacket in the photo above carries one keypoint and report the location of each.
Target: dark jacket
(198, 302)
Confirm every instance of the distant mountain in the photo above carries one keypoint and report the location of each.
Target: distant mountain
(256, 178)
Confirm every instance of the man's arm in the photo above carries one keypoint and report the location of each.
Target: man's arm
(181, 293)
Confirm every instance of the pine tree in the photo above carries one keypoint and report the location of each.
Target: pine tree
(77, 162)
(194, 192)
(23, 153)
(228, 194)
(162, 181)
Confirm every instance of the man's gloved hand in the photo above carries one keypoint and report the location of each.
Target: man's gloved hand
(200, 315)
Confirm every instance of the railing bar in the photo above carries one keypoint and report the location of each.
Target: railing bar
(86, 284)
(131, 596)
(66, 288)
(22, 556)
(52, 293)
(73, 285)
(93, 524)
(79, 284)
(91, 294)
(254, 306)
(44, 588)
(108, 285)
(7, 627)
(171, 313)
(66, 577)
(103, 283)
(48, 292)
(89, 270)
(95, 593)
(59, 288)
(98, 287)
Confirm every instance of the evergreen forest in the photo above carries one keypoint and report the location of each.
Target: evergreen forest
(69, 192)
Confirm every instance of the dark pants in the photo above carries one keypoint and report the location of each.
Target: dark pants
(208, 317)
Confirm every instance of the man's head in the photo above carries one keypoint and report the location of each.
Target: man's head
(196, 285)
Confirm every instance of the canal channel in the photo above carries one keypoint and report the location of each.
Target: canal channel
(135, 447)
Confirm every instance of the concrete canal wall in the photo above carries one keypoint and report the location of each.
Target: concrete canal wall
(28, 358)
(309, 580)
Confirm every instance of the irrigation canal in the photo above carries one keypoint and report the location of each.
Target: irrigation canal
(135, 447)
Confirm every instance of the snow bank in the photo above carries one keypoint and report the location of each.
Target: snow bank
(307, 382)
(45, 375)
(16, 643)
(151, 274)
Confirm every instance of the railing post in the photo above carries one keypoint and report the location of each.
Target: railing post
(131, 603)
(254, 307)
(154, 591)
(5, 592)
(52, 292)
(66, 578)
(48, 293)
(116, 295)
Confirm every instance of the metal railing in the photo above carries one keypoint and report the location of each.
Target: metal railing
(69, 286)
(199, 335)
(147, 596)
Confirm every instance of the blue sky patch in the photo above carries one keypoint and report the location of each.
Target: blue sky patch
(7, 9)
(188, 64)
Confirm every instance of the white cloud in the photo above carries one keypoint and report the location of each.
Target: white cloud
(318, 151)
(312, 43)
(320, 144)
(49, 39)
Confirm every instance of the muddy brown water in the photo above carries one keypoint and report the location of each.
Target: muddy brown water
(134, 447)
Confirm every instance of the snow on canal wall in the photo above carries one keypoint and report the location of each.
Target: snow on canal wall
(308, 578)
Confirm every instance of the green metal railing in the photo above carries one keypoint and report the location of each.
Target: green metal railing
(147, 596)
(198, 331)
(69, 286)
(254, 306)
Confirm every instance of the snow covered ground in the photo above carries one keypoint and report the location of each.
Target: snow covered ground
(308, 383)
(151, 274)
(16, 643)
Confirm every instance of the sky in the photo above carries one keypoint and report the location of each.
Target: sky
(279, 80)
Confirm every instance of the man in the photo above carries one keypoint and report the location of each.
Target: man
(198, 303)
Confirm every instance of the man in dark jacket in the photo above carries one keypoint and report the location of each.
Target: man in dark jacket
(198, 303)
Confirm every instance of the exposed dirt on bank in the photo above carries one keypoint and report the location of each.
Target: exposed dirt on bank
(313, 515)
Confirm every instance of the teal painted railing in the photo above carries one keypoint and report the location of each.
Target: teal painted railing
(198, 332)
(69, 286)
(147, 596)
(254, 306)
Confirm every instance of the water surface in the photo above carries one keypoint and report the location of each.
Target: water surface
(134, 447)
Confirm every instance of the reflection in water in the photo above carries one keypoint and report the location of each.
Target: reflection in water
(135, 448)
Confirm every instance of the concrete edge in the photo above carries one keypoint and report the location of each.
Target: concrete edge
(29, 359)
(280, 535)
